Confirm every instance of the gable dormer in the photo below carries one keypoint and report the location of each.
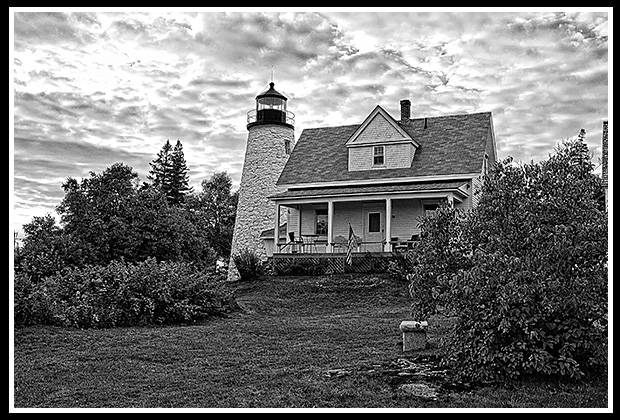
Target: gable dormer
(380, 143)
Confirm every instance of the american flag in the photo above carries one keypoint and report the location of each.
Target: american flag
(350, 246)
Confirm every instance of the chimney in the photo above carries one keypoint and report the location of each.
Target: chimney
(405, 110)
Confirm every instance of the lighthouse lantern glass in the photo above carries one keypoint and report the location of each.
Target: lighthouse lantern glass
(270, 102)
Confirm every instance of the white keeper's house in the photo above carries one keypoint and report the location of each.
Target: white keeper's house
(376, 177)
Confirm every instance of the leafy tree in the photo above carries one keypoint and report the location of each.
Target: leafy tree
(95, 212)
(215, 207)
(526, 272)
(109, 218)
(41, 253)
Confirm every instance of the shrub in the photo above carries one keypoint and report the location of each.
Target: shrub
(442, 251)
(401, 264)
(302, 267)
(526, 272)
(249, 265)
(119, 294)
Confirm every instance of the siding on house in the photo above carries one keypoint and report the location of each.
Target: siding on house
(396, 156)
(406, 214)
(476, 190)
(379, 129)
(292, 220)
(345, 213)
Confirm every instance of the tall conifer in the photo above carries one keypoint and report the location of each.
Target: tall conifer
(179, 180)
(161, 169)
(169, 173)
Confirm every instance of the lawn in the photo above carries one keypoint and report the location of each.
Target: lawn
(294, 342)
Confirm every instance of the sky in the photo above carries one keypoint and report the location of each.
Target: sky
(95, 86)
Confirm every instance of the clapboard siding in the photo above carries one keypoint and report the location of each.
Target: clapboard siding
(405, 217)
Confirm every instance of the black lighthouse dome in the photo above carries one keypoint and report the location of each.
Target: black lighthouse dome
(270, 109)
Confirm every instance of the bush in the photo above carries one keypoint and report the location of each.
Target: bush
(525, 271)
(249, 265)
(302, 267)
(442, 251)
(517, 320)
(401, 264)
(119, 294)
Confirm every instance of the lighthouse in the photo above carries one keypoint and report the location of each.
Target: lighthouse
(270, 139)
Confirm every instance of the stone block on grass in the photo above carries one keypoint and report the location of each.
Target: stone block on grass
(414, 335)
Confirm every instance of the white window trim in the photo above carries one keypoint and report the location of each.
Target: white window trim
(375, 155)
(316, 219)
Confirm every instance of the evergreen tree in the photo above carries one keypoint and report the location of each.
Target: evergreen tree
(161, 169)
(179, 180)
(169, 173)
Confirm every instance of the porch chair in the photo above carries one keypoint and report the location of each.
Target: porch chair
(294, 243)
(340, 244)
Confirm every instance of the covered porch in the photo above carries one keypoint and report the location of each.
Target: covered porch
(382, 219)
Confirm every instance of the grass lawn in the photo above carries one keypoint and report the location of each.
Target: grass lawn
(327, 341)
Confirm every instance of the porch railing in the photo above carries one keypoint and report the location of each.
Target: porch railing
(300, 247)
(322, 247)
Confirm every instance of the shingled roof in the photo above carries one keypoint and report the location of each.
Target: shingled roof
(458, 186)
(449, 145)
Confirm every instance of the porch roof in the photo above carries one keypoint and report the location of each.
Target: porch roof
(268, 233)
(447, 186)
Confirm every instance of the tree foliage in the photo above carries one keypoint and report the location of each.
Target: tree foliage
(107, 217)
(119, 294)
(116, 235)
(169, 171)
(219, 206)
(525, 271)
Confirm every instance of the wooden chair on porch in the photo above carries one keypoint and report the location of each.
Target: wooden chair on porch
(295, 244)
(340, 244)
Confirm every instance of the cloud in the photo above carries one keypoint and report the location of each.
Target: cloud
(91, 89)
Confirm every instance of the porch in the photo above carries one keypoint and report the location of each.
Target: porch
(382, 219)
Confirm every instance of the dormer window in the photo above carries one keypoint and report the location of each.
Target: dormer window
(378, 157)
(378, 138)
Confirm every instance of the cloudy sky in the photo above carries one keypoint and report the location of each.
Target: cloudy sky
(92, 87)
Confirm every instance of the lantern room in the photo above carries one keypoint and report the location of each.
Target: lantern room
(270, 109)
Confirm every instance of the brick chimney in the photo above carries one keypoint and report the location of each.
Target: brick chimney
(405, 110)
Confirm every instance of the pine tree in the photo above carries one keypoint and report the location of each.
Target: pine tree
(179, 180)
(161, 169)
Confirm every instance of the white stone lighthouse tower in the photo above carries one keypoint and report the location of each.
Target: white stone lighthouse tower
(270, 139)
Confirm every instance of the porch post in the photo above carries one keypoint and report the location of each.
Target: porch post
(276, 229)
(450, 198)
(330, 226)
(388, 225)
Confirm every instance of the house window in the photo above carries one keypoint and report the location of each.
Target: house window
(374, 222)
(321, 222)
(378, 155)
(430, 208)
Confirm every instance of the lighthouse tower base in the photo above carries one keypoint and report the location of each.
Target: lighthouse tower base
(265, 156)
